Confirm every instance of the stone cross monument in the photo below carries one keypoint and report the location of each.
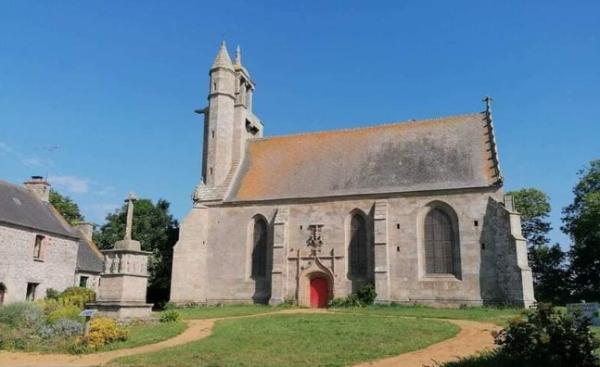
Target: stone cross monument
(122, 290)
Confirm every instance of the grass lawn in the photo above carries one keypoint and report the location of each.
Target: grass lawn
(211, 312)
(499, 316)
(147, 334)
(300, 340)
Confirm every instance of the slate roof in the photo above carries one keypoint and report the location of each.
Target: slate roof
(89, 259)
(19, 206)
(445, 153)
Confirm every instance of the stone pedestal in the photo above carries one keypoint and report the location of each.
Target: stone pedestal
(122, 290)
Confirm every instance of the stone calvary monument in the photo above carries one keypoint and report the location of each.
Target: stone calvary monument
(122, 290)
(414, 208)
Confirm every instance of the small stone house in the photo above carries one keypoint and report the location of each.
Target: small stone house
(415, 208)
(38, 248)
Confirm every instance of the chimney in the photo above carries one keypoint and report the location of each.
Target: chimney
(86, 229)
(40, 187)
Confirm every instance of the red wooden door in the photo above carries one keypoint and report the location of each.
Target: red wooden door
(319, 293)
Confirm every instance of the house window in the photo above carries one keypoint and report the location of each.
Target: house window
(440, 243)
(83, 281)
(31, 290)
(37, 247)
(2, 293)
(259, 248)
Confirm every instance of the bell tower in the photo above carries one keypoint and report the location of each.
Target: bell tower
(228, 123)
(218, 120)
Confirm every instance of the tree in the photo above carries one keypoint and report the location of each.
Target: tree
(66, 207)
(582, 223)
(157, 231)
(550, 275)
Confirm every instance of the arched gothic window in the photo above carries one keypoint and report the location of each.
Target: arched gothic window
(259, 248)
(358, 248)
(440, 243)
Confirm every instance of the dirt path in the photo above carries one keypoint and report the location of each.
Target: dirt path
(473, 337)
(197, 329)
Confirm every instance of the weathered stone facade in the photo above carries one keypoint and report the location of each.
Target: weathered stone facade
(38, 249)
(309, 187)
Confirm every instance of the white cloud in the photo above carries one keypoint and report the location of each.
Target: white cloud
(73, 184)
(27, 160)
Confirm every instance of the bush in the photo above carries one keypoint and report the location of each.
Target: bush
(77, 296)
(21, 315)
(363, 297)
(52, 293)
(546, 337)
(62, 327)
(170, 316)
(366, 295)
(65, 312)
(103, 331)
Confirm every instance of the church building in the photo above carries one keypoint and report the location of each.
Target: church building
(414, 208)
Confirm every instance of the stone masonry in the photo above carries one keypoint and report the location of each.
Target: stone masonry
(393, 176)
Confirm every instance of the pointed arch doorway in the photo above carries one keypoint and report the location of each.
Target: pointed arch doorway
(315, 287)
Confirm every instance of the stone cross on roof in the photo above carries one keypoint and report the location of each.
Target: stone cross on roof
(130, 200)
(488, 104)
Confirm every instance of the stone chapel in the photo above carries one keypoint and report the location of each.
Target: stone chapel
(414, 208)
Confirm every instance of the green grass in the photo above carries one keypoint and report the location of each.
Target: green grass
(142, 334)
(211, 312)
(300, 340)
(499, 316)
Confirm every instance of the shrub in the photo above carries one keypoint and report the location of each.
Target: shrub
(21, 315)
(169, 316)
(52, 293)
(62, 327)
(363, 297)
(65, 312)
(546, 337)
(366, 295)
(103, 331)
(77, 296)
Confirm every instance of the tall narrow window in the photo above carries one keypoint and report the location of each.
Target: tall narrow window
(439, 243)
(259, 248)
(358, 248)
(31, 290)
(83, 281)
(37, 247)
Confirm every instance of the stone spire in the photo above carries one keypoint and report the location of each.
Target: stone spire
(222, 60)
(238, 56)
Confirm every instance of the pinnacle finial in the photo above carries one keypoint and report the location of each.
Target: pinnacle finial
(488, 104)
(238, 55)
(222, 59)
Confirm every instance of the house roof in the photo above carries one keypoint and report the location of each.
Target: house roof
(445, 153)
(19, 206)
(89, 259)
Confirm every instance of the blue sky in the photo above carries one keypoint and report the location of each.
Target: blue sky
(99, 95)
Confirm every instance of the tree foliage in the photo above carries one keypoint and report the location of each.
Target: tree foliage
(66, 207)
(550, 274)
(581, 222)
(157, 231)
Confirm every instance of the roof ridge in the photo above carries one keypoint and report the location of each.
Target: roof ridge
(378, 125)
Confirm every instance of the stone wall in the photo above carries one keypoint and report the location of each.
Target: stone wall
(212, 258)
(55, 269)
